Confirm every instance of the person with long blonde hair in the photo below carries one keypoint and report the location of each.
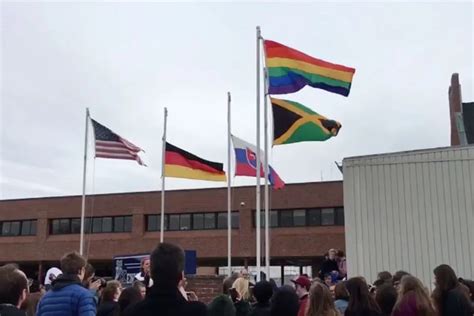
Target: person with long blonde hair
(413, 299)
(320, 301)
(240, 293)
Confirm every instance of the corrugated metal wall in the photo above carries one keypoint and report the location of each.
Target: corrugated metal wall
(410, 211)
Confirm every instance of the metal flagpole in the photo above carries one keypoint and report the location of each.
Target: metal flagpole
(229, 201)
(163, 158)
(83, 208)
(257, 197)
(267, 174)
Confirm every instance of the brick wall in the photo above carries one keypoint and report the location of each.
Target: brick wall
(206, 287)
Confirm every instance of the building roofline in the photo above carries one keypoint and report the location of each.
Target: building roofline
(424, 150)
(155, 191)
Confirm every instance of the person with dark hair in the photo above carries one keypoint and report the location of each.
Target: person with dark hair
(285, 302)
(413, 299)
(470, 285)
(448, 296)
(109, 301)
(320, 302)
(68, 296)
(361, 303)
(342, 264)
(128, 297)
(140, 287)
(222, 305)
(386, 297)
(329, 266)
(263, 292)
(164, 298)
(302, 286)
(13, 290)
(341, 297)
(397, 277)
(90, 283)
(385, 276)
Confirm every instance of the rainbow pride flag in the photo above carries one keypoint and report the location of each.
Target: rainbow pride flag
(290, 70)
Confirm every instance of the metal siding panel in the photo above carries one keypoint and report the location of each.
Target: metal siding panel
(413, 218)
(468, 172)
(448, 208)
(397, 241)
(383, 242)
(370, 253)
(423, 194)
(440, 208)
(401, 213)
(349, 210)
(456, 209)
(390, 225)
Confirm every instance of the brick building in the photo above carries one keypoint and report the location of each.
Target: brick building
(306, 219)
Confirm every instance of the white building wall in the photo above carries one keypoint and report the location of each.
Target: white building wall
(410, 211)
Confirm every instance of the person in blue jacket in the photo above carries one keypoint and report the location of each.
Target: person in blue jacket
(68, 297)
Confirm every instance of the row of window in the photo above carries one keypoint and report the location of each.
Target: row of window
(18, 228)
(107, 224)
(174, 222)
(304, 217)
(194, 221)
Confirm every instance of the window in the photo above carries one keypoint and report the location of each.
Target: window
(235, 220)
(76, 226)
(33, 228)
(153, 223)
(25, 228)
(64, 226)
(185, 222)
(55, 227)
(97, 224)
(299, 217)
(127, 224)
(106, 224)
(174, 222)
(273, 218)
(198, 221)
(18, 228)
(87, 225)
(222, 221)
(340, 216)
(327, 216)
(286, 218)
(118, 224)
(209, 221)
(314, 217)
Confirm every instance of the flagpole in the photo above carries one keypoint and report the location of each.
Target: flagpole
(257, 196)
(229, 201)
(267, 174)
(83, 208)
(163, 158)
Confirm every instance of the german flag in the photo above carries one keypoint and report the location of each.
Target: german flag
(182, 164)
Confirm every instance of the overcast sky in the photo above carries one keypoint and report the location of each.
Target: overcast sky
(126, 61)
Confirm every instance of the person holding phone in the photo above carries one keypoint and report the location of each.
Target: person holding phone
(240, 295)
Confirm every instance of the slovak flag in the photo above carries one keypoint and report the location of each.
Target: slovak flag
(246, 162)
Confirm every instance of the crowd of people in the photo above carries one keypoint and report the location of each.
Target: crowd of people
(159, 289)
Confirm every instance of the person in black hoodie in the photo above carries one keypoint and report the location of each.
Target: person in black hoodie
(448, 296)
(263, 292)
(164, 298)
(109, 305)
(13, 290)
(329, 265)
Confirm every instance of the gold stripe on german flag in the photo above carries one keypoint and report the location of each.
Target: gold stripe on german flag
(182, 164)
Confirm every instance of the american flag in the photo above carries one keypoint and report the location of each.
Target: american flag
(110, 145)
